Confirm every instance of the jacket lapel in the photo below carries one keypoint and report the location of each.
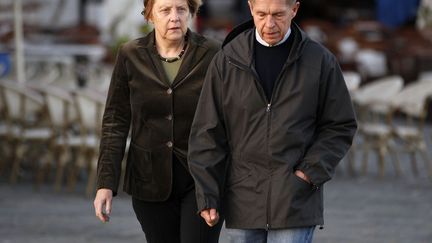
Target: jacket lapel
(152, 65)
(194, 54)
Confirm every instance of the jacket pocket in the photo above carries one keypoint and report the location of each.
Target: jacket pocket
(142, 163)
(300, 182)
(238, 173)
(301, 200)
(299, 188)
(294, 203)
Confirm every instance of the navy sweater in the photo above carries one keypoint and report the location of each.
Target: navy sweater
(269, 62)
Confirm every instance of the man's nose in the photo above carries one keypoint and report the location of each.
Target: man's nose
(269, 22)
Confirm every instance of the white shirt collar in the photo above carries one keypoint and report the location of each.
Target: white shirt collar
(262, 42)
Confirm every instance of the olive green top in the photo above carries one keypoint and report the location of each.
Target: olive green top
(171, 69)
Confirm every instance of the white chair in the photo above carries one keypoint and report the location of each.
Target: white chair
(62, 118)
(27, 129)
(352, 80)
(49, 69)
(372, 102)
(371, 63)
(99, 78)
(90, 106)
(425, 76)
(375, 95)
(411, 104)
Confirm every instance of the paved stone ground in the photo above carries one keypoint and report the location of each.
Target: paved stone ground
(358, 209)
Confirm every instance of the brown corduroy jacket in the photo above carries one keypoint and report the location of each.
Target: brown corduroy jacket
(158, 113)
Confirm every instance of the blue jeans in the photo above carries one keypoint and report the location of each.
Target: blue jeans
(294, 235)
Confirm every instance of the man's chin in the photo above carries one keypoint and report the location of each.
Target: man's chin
(272, 41)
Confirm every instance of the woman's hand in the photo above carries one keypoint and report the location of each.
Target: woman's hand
(102, 204)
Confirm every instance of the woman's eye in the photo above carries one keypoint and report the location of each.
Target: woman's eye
(182, 11)
(165, 10)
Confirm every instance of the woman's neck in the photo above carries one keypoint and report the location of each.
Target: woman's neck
(167, 48)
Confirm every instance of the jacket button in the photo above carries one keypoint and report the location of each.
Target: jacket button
(169, 144)
(169, 91)
(169, 117)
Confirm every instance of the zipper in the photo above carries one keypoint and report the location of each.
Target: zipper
(268, 110)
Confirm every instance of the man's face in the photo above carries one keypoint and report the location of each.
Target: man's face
(272, 18)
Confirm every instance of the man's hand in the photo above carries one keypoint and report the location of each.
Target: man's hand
(211, 216)
(302, 175)
(103, 199)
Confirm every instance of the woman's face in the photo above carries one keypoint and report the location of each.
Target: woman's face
(170, 19)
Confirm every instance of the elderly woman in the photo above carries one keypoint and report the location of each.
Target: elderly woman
(154, 90)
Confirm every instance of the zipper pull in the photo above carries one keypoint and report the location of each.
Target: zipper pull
(268, 109)
(268, 227)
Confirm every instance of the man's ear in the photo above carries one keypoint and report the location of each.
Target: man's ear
(250, 6)
(295, 8)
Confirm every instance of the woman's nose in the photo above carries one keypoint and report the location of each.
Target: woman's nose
(174, 17)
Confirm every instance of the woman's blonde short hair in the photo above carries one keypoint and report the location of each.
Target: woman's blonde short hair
(192, 4)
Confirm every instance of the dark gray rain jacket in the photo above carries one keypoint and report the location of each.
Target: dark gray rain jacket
(243, 148)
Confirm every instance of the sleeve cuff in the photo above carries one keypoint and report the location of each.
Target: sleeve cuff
(105, 185)
(206, 203)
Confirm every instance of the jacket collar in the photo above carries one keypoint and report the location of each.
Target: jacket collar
(195, 52)
(264, 43)
(239, 44)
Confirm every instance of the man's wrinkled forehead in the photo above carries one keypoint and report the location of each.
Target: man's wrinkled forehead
(289, 2)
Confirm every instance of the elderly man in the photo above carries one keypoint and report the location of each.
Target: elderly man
(273, 120)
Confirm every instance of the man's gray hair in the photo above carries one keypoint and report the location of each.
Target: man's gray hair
(289, 2)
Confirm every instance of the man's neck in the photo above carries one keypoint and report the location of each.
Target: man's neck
(264, 43)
